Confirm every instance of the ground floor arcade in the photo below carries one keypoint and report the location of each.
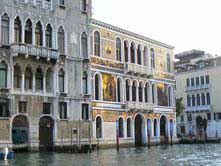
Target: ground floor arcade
(133, 128)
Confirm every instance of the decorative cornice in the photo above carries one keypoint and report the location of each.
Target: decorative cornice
(132, 34)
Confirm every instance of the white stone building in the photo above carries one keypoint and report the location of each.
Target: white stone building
(198, 83)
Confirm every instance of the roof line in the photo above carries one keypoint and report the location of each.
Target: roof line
(129, 33)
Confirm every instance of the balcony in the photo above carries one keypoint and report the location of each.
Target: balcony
(139, 106)
(138, 69)
(37, 3)
(198, 87)
(199, 108)
(37, 51)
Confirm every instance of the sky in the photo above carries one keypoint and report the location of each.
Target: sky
(184, 24)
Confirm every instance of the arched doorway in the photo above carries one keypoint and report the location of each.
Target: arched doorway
(121, 128)
(98, 127)
(138, 130)
(20, 128)
(199, 126)
(163, 126)
(46, 131)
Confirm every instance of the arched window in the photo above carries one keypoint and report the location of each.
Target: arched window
(188, 101)
(119, 89)
(38, 34)
(48, 36)
(5, 29)
(17, 76)
(126, 51)
(169, 97)
(39, 79)
(168, 63)
(28, 32)
(97, 87)
(61, 78)
(96, 43)
(84, 5)
(121, 128)
(118, 49)
(145, 56)
(84, 83)
(140, 91)
(153, 93)
(28, 78)
(61, 40)
(193, 100)
(146, 92)
(134, 91)
(84, 50)
(198, 100)
(139, 55)
(155, 128)
(132, 53)
(98, 127)
(49, 80)
(208, 98)
(128, 127)
(152, 54)
(17, 30)
(61, 2)
(127, 90)
(3, 74)
(203, 99)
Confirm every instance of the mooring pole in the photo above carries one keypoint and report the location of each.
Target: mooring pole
(148, 141)
(71, 137)
(117, 134)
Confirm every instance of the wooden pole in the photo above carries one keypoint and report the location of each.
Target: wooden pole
(117, 134)
(71, 136)
(148, 141)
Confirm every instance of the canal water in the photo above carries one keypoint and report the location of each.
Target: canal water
(177, 155)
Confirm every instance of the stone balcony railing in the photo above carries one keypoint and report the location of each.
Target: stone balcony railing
(138, 69)
(37, 3)
(199, 108)
(198, 87)
(37, 51)
(139, 105)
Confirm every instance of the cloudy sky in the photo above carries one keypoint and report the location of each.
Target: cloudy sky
(185, 24)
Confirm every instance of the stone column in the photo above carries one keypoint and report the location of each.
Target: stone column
(44, 85)
(22, 82)
(23, 33)
(143, 94)
(11, 35)
(33, 84)
(43, 36)
(130, 95)
(135, 55)
(141, 54)
(33, 34)
(137, 94)
(129, 56)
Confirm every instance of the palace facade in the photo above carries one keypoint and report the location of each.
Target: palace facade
(66, 78)
(41, 66)
(133, 87)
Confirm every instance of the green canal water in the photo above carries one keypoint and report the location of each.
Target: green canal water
(177, 155)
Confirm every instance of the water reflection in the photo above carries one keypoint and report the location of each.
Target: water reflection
(178, 155)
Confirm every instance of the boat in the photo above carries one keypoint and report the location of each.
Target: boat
(9, 156)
